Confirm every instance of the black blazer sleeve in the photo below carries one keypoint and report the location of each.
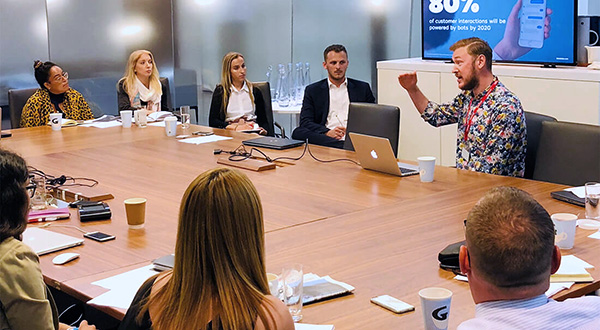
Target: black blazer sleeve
(123, 98)
(310, 115)
(164, 99)
(216, 117)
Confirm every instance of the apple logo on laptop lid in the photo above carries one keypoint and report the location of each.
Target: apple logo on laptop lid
(374, 154)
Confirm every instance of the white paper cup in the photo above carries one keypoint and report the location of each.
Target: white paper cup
(564, 229)
(273, 280)
(435, 303)
(426, 168)
(140, 118)
(171, 126)
(126, 118)
(56, 121)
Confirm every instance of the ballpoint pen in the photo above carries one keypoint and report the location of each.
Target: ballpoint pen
(340, 121)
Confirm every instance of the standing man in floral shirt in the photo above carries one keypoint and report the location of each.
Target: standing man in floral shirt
(492, 134)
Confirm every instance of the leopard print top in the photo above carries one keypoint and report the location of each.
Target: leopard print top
(38, 108)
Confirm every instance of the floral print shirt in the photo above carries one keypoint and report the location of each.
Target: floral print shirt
(496, 139)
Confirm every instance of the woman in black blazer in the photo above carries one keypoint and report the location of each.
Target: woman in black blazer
(235, 104)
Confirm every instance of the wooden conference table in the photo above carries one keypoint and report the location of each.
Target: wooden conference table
(377, 232)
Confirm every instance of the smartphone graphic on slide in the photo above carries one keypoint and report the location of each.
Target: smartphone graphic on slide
(533, 15)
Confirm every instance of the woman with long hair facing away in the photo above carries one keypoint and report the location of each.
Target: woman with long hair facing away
(140, 87)
(219, 279)
(54, 95)
(235, 104)
(25, 301)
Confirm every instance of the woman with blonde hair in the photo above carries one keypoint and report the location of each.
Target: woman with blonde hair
(219, 279)
(235, 104)
(140, 87)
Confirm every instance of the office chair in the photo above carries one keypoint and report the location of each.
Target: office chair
(373, 119)
(165, 82)
(16, 101)
(534, 130)
(265, 90)
(568, 153)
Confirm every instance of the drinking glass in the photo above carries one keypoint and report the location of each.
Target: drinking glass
(292, 278)
(592, 197)
(185, 116)
(38, 201)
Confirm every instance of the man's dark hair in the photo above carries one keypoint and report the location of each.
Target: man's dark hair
(475, 47)
(42, 71)
(510, 238)
(14, 202)
(334, 48)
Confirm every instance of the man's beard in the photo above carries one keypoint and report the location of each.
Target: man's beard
(471, 84)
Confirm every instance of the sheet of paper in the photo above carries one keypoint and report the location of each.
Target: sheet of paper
(557, 287)
(579, 191)
(205, 139)
(571, 264)
(104, 124)
(595, 235)
(461, 278)
(123, 287)
(304, 326)
(134, 277)
(160, 123)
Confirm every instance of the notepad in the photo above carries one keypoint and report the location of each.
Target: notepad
(572, 269)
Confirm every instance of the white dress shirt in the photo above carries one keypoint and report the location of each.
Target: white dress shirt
(339, 101)
(239, 104)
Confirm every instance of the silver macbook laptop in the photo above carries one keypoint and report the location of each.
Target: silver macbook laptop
(43, 241)
(375, 153)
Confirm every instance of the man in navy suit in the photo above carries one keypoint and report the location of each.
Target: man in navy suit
(324, 114)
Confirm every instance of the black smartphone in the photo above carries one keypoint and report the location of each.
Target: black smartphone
(98, 236)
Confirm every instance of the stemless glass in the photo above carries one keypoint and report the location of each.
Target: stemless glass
(184, 111)
(293, 280)
(592, 197)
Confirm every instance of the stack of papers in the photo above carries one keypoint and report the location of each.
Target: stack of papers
(572, 269)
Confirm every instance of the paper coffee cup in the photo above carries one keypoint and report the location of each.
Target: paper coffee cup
(273, 280)
(135, 208)
(564, 229)
(426, 168)
(171, 126)
(126, 118)
(435, 303)
(56, 121)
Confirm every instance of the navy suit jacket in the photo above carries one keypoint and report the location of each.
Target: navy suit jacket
(315, 106)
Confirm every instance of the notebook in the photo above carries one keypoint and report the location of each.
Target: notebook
(43, 241)
(375, 153)
(273, 143)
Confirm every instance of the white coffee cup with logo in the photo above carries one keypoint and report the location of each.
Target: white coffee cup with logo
(564, 226)
(435, 303)
(426, 168)
(171, 126)
(56, 121)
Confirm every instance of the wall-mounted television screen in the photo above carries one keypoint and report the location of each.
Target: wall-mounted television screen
(521, 31)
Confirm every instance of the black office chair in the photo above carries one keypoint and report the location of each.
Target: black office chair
(534, 130)
(265, 90)
(568, 153)
(373, 119)
(16, 101)
(165, 82)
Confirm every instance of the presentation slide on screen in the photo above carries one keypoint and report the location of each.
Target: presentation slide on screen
(540, 31)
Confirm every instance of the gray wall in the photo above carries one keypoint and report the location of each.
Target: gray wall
(92, 40)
